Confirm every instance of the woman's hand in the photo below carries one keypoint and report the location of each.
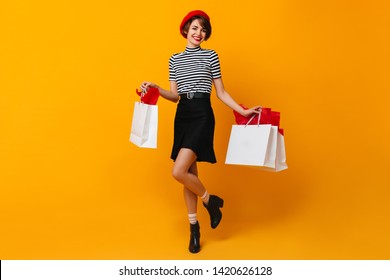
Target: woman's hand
(170, 94)
(146, 85)
(249, 112)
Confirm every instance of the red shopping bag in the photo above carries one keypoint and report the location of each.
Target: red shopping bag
(150, 97)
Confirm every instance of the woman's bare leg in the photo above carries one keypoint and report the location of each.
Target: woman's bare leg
(186, 172)
(181, 172)
(184, 162)
(190, 198)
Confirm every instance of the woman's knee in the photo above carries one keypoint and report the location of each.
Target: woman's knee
(185, 163)
(178, 174)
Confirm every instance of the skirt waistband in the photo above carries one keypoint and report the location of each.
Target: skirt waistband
(191, 95)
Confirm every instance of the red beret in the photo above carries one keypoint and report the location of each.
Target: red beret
(189, 16)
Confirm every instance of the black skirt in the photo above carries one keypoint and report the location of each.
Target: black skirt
(194, 129)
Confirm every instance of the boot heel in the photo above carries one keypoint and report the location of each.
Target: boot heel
(213, 207)
(220, 202)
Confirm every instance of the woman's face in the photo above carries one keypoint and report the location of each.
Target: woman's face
(196, 34)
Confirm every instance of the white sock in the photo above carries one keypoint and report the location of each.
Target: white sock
(193, 218)
(205, 197)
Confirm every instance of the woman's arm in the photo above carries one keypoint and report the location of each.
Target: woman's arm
(170, 94)
(229, 101)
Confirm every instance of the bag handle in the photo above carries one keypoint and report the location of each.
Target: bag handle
(143, 93)
(254, 115)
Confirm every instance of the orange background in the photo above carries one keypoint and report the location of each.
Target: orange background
(73, 187)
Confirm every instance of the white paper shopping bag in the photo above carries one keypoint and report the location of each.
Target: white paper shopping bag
(144, 125)
(248, 145)
(259, 146)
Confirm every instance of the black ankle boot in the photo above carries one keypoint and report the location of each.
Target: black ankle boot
(212, 207)
(194, 238)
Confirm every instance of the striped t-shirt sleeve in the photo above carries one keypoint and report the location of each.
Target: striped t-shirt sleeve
(215, 65)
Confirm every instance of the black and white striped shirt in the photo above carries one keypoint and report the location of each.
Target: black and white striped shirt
(194, 70)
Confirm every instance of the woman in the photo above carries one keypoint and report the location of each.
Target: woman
(191, 75)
